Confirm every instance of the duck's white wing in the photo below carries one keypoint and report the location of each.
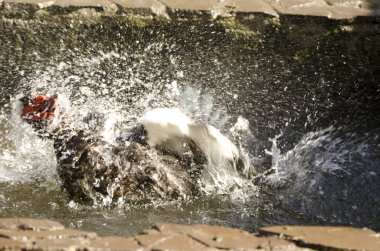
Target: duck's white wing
(172, 129)
(168, 128)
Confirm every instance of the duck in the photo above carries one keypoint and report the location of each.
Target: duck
(164, 157)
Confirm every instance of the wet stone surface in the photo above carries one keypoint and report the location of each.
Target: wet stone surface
(49, 235)
(335, 9)
(293, 76)
(29, 224)
(341, 238)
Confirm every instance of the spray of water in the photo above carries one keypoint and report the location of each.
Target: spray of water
(119, 101)
(24, 156)
(90, 85)
(327, 151)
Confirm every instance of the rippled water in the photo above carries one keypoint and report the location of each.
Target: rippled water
(304, 104)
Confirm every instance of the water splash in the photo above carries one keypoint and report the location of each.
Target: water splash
(201, 108)
(328, 151)
(108, 104)
(329, 176)
(25, 157)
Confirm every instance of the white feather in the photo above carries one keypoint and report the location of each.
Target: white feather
(171, 128)
(218, 149)
(167, 127)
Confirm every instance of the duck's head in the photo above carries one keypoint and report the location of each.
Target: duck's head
(39, 110)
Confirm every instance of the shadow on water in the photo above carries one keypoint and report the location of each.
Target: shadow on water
(309, 86)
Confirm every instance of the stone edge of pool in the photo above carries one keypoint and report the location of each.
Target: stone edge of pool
(33, 234)
(40, 234)
(333, 9)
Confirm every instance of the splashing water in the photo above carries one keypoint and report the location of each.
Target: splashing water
(27, 158)
(24, 156)
(116, 113)
(325, 177)
(322, 168)
(326, 151)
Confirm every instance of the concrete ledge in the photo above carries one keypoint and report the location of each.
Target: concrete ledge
(334, 9)
(42, 235)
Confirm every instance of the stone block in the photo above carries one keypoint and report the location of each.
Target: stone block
(220, 6)
(215, 236)
(61, 244)
(347, 12)
(135, 4)
(178, 242)
(114, 243)
(275, 243)
(251, 6)
(341, 238)
(81, 3)
(225, 238)
(42, 235)
(57, 234)
(345, 3)
(26, 1)
(289, 4)
(148, 240)
(191, 5)
(7, 244)
(30, 224)
(335, 9)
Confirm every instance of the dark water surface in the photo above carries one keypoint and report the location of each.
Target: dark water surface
(309, 87)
